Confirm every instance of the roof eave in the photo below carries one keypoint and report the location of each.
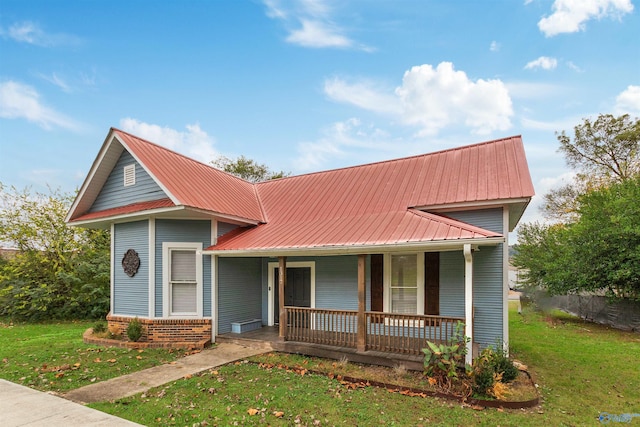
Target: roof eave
(430, 246)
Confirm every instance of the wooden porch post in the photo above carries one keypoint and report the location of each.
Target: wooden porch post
(362, 320)
(282, 281)
(468, 300)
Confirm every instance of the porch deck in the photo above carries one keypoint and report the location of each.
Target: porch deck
(267, 337)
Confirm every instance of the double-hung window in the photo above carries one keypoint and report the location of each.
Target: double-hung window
(183, 279)
(405, 283)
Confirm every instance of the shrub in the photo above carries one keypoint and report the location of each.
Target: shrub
(99, 328)
(483, 379)
(134, 329)
(503, 365)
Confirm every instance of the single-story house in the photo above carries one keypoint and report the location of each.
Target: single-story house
(378, 257)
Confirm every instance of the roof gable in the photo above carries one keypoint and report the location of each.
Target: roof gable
(114, 193)
(186, 182)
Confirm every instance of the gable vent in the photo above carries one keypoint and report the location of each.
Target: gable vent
(129, 175)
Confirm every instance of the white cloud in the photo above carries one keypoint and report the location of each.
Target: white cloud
(544, 62)
(574, 67)
(56, 80)
(310, 23)
(20, 101)
(433, 99)
(31, 33)
(345, 139)
(570, 16)
(494, 47)
(363, 94)
(194, 142)
(628, 101)
(318, 34)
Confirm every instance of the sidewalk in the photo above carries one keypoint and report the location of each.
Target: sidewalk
(137, 382)
(22, 406)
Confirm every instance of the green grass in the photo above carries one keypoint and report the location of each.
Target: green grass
(582, 369)
(53, 357)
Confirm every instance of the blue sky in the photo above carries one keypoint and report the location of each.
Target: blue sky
(306, 85)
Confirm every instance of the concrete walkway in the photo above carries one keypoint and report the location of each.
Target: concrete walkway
(22, 406)
(137, 382)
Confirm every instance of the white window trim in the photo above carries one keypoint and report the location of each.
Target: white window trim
(387, 281)
(273, 287)
(129, 175)
(166, 291)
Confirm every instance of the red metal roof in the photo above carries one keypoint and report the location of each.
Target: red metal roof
(124, 210)
(195, 184)
(370, 204)
(373, 204)
(370, 229)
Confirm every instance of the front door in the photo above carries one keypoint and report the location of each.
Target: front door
(297, 291)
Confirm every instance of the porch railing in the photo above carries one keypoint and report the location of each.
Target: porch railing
(388, 332)
(321, 326)
(407, 334)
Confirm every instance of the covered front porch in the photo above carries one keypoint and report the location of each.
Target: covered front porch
(366, 334)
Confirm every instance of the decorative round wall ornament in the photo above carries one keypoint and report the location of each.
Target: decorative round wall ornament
(131, 262)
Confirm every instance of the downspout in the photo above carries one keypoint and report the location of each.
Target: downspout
(468, 300)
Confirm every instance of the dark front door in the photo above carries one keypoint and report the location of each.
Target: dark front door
(297, 291)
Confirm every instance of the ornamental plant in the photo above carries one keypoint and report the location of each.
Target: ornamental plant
(134, 329)
(442, 361)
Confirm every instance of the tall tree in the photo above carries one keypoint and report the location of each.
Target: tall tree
(602, 151)
(59, 271)
(247, 169)
(594, 244)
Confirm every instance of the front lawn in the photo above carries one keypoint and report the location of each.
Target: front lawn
(582, 369)
(53, 357)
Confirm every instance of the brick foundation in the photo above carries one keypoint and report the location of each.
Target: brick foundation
(187, 331)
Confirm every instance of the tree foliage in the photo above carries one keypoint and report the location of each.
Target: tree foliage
(602, 151)
(247, 169)
(58, 271)
(594, 242)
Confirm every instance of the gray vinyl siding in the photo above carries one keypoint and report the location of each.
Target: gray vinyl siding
(114, 193)
(131, 294)
(224, 228)
(452, 284)
(487, 295)
(487, 277)
(239, 291)
(336, 282)
(183, 231)
(489, 219)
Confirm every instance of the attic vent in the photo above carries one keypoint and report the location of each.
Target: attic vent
(129, 175)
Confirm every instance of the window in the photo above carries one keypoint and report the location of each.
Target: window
(183, 282)
(129, 175)
(404, 284)
(182, 272)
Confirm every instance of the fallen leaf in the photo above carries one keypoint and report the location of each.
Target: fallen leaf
(60, 375)
(112, 360)
(278, 414)
(186, 377)
(76, 365)
(97, 360)
(139, 357)
(252, 411)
